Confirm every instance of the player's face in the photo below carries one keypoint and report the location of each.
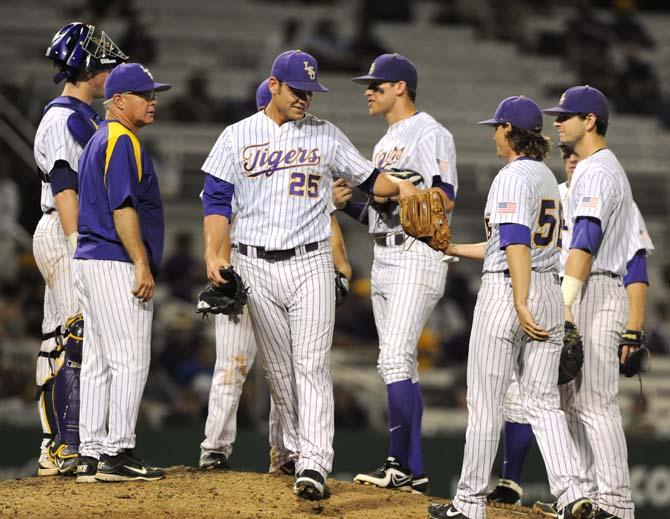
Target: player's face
(500, 138)
(292, 103)
(571, 164)
(570, 128)
(381, 97)
(140, 107)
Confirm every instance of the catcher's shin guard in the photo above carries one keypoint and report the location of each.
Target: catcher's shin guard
(66, 384)
(44, 399)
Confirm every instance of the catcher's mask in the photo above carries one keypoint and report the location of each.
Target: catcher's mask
(78, 47)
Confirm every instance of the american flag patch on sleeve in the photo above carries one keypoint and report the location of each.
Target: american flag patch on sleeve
(589, 202)
(507, 207)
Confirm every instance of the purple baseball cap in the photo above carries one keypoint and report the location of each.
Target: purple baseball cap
(519, 111)
(390, 67)
(263, 94)
(298, 70)
(581, 100)
(131, 77)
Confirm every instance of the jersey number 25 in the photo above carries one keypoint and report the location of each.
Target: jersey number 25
(303, 184)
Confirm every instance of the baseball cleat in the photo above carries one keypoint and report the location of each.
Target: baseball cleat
(601, 514)
(213, 461)
(45, 465)
(582, 508)
(420, 485)
(125, 466)
(449, 511)
(507, 492)
(390, 475)
(87, 467)
(546, 509)
(287, 469)
(309, 484)
(65, 458)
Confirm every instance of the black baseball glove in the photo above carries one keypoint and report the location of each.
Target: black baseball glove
(572, 354)
(227, 298)
(638, 356)
(341, 288)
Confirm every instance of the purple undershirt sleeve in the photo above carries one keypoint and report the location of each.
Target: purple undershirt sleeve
(444, 186)
(587, 234)
(217, 197)
(636, 269)
(513, 234)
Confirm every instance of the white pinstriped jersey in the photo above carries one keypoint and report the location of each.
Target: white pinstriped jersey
(419, 143)
(524, 192)
(53, 141)
(566, 235)
(600, 189)
(643, 238)
(283, 177)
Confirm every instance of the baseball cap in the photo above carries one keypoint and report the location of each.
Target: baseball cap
(581, 100)
(131, 77)
(390, 67)
(298, 70)
(519, 111)
(263, 94)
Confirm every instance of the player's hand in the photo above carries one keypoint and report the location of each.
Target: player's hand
(214, 266)
(532, 329)
(341, 193)
(405, 189)
(144, 282)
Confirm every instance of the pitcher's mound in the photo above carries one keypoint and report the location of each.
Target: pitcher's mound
(187, 492)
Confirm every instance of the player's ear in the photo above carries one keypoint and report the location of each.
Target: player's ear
(400, 87)
(590, 122)
(274, 85)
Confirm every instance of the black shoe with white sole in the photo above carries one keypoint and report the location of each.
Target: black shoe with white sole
(213, 461)
(546, 509)
(125, 466)
(579, 509)
(507, 492)
(87, 468)
(420, 484)
(390, 475)
(436, 511)
(309, 484)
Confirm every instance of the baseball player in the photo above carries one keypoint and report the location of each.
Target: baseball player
(83, 58)
(235, 353)
(517, 433)
(518, 320)
(600, 214)
(119, 250)
(279, 164)
(408, 277)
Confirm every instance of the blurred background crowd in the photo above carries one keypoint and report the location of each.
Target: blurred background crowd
(469, 53)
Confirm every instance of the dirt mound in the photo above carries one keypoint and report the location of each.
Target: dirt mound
(187, 492)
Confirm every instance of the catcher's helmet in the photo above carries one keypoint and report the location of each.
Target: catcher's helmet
(77, 47)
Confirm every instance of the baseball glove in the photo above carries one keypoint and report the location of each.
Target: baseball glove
(341, 288)
(424, 217)
(572, 354)
(637, 360)
(227, 298)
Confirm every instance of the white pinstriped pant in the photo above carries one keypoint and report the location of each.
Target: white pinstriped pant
(407, 283)
(60, 298)
(292, 310)
(116, 359)
(498, 347)
(235, 354)
(591, 402)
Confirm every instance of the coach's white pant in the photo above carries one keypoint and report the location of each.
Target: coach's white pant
(235, 354)
(591, 402)
(292, 309)
(116, 359)
(60, 299)
(497, 347)
(407, 282)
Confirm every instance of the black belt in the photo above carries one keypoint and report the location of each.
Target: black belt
(556, 276)
(50, 210)
(607, 274)
(274, 255)
(381, 239)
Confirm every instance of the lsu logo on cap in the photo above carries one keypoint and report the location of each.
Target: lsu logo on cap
(310, 70)
(372, 68)
(147, 71)
(562, 99)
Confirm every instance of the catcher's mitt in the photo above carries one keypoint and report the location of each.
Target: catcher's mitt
(424, 217)
(341, 288)
(227, 298)
(572, 354)
(637, 360)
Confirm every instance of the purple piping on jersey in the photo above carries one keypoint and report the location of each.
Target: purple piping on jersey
(513, 234)
(217, 197)
(524, 157)
(355, 209)
(636, 269)
(444, 186)
(368, 186)
(587, 234)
